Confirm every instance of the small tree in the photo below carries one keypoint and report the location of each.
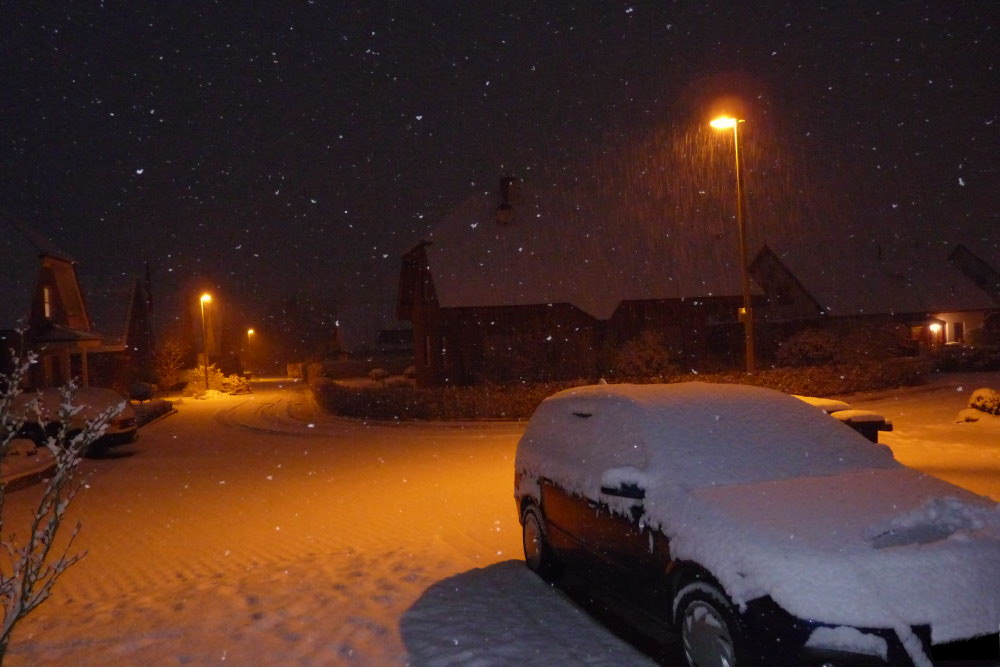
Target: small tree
(28, 568)
(168, 360)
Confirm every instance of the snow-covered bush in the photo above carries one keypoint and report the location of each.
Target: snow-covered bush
(645, 356)
(194, 379)
(217, 381)
(986, 400)
(28, 567)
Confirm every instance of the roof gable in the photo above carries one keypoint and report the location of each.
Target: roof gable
(852, 278)
(23, 254)
(574, 246)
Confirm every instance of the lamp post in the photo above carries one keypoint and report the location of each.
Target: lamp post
(725, 123)
(250, 333)
(205, 298)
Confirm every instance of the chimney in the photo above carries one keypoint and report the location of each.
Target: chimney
(510, 196)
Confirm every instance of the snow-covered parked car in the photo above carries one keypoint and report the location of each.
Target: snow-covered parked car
(92, 401)
(757, 528)
(865, 422)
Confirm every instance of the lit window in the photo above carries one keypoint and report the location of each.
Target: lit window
(47, 302)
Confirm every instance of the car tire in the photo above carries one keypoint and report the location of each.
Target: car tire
(708, 627)
(538, 554)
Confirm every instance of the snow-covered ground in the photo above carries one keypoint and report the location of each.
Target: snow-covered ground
(928, 436)
(250, 530)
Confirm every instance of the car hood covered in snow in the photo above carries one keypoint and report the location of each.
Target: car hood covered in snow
(871, 548)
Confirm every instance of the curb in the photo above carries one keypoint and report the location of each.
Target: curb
(21, 479)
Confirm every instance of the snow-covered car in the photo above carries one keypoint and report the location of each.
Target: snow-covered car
(865, 422)
(756, 528)
(122, 427)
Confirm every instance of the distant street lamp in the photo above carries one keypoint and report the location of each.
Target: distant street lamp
(205, 298)
(725, 123)
(250, 333)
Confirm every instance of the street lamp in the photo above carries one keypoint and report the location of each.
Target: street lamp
(205, 298)
(250, 333)
(725, 123)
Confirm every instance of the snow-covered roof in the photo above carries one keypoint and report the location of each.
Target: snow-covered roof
(856, 278)
(576, 247)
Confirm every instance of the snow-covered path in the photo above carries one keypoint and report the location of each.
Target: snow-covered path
(251, 530)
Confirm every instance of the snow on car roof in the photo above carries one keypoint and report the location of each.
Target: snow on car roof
(698, 434)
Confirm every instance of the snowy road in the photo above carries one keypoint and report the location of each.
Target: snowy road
(234, 534)
(251, 530)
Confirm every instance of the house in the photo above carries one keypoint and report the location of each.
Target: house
(547, 282)
(522, 282)
(121, 311)
(42, 306)
(920, 285)
(976, 268)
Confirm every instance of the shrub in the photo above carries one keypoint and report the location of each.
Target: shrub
(955, 358)
(168, 360)
(217, 381)
(378, 375)
(986, 400)
(407, 403)
(518, 401)
(644, 356)
(874, 341)
(810, 347)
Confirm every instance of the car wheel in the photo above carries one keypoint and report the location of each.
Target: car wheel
(538, 554)
(710, 631)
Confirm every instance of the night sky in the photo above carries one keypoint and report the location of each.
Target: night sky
(301, 147)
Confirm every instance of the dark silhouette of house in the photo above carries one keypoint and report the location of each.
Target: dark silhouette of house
(42, 308)
(524, 283)
(544, 284)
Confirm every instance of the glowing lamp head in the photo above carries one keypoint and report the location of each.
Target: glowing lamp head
(935, 328)
(206, 298)
(724, 122)
(249, 332)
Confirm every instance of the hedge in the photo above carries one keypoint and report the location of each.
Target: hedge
(518, 401)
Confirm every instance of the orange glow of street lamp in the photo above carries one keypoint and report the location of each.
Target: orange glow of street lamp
(250, 333)
(205, 298)
(724, 122)
(731, 123)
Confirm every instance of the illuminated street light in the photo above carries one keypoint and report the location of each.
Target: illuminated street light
(746, 313)
(205, 298)
(250, 333)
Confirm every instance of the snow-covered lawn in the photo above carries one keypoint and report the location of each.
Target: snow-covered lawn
(236, 534)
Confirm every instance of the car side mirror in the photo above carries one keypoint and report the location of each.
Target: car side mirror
(625, 490)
